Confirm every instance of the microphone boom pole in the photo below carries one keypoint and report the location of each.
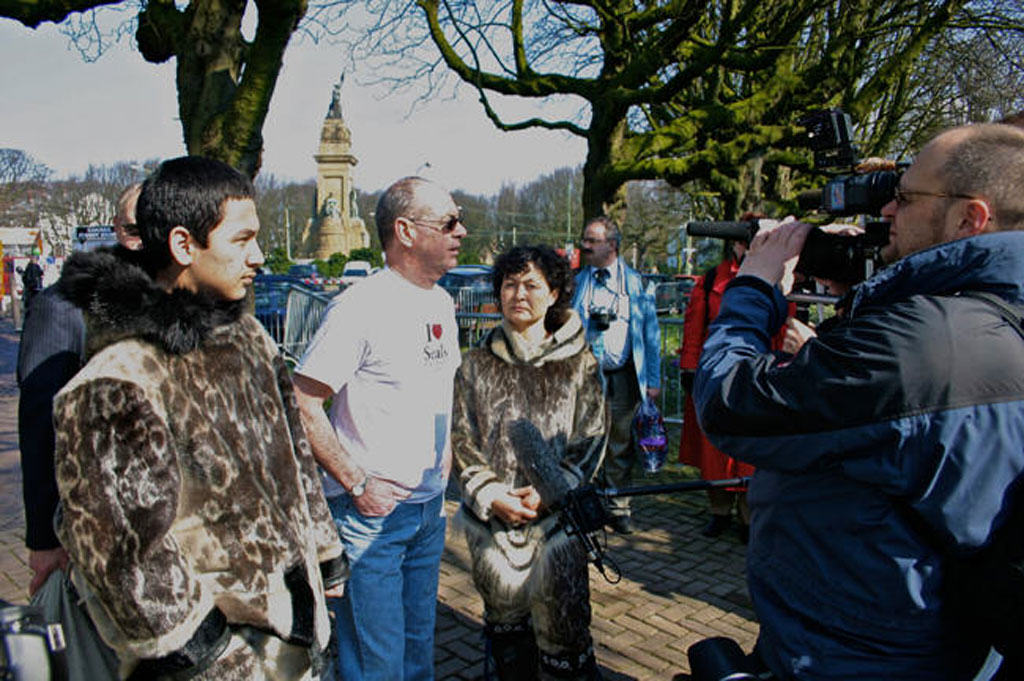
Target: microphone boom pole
(687, 486)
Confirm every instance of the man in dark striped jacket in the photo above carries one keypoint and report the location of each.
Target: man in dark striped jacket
(51, 351)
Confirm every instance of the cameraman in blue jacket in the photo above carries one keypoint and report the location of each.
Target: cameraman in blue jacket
(890, 439)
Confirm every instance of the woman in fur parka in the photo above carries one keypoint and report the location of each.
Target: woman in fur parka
(535, 369)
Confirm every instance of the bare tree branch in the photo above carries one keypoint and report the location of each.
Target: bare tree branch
(34, 12)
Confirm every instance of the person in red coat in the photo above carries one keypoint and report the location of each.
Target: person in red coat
(694, 448)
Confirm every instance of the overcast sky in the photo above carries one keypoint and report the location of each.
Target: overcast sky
(68, 113)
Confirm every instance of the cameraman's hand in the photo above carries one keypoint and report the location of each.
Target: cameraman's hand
(379, 499)
(774, 251)
(874, 163)
(518, 506)
(842, 228)
(797, 333)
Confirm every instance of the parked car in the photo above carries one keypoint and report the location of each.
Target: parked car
(270, 292)
(355, 271)
(308, 275)
(687, 282)
(476, 277)
(670, 293)
(470, 287)
(655, 278)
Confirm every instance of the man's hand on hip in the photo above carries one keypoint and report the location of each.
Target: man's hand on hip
(42, 563)
(773, 253)
(379, 499)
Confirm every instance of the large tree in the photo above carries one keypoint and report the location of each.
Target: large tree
(224, 81)
(22, 181)
(681, 90)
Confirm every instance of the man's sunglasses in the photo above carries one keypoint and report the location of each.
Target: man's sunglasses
(445, 225)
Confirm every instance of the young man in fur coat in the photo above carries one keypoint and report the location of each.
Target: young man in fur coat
(192, 510)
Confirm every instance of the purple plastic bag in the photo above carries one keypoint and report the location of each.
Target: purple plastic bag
(650, 437)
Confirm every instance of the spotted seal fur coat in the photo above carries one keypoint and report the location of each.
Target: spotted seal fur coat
(532, 572)
(191, 501)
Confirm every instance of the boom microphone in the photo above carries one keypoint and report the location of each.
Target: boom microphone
(738, 230)
(541, 466)
(581, 510)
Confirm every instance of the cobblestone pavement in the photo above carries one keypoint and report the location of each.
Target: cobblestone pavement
(677, 587)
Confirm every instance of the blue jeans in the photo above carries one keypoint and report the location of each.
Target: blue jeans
(385, 620)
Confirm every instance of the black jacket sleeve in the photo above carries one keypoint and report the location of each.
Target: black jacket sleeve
(50, 353)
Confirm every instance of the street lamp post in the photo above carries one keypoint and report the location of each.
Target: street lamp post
(287, 234)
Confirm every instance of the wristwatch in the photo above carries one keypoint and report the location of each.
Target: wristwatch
(359, 488)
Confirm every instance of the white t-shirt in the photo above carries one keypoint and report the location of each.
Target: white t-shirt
(389, 350)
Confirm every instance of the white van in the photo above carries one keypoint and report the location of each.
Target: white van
(355, 271)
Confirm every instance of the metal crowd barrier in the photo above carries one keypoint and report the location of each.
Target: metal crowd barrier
(302, 317)
(306, 308)
(671, 385)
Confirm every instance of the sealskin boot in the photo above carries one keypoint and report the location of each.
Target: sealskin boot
(514, 651)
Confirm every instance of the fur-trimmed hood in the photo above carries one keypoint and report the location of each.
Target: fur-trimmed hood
(513, 348)
(120, 300)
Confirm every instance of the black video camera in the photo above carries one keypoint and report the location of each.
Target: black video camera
(840, 257)
(829, 135)
(849, 259)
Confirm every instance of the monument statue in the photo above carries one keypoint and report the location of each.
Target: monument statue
(334, 111)
(331, 207)
(353, 203)
(336, 227)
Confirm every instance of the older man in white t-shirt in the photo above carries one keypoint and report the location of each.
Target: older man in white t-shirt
(386, 353)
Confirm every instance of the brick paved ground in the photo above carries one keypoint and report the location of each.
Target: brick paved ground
(676, 588)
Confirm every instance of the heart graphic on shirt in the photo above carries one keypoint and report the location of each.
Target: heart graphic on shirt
(436, 330)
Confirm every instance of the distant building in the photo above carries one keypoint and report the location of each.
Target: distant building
(335, 226)
(53, 219)
(60, 231)
(21, 242)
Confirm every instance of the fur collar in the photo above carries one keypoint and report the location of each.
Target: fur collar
(512, 348)
(120, 300)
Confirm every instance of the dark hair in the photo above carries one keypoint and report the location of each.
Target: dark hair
(611, 230)
(397, 201)
(189, 191)
(553, 266)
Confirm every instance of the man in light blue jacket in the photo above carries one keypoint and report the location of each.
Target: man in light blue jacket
(622, 328)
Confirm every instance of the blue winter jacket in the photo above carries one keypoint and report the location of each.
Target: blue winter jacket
(644, 334)
(912, 407)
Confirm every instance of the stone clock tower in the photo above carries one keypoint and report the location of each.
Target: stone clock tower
(336, 224)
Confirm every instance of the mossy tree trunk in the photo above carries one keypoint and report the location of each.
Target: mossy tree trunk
(225, 82)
